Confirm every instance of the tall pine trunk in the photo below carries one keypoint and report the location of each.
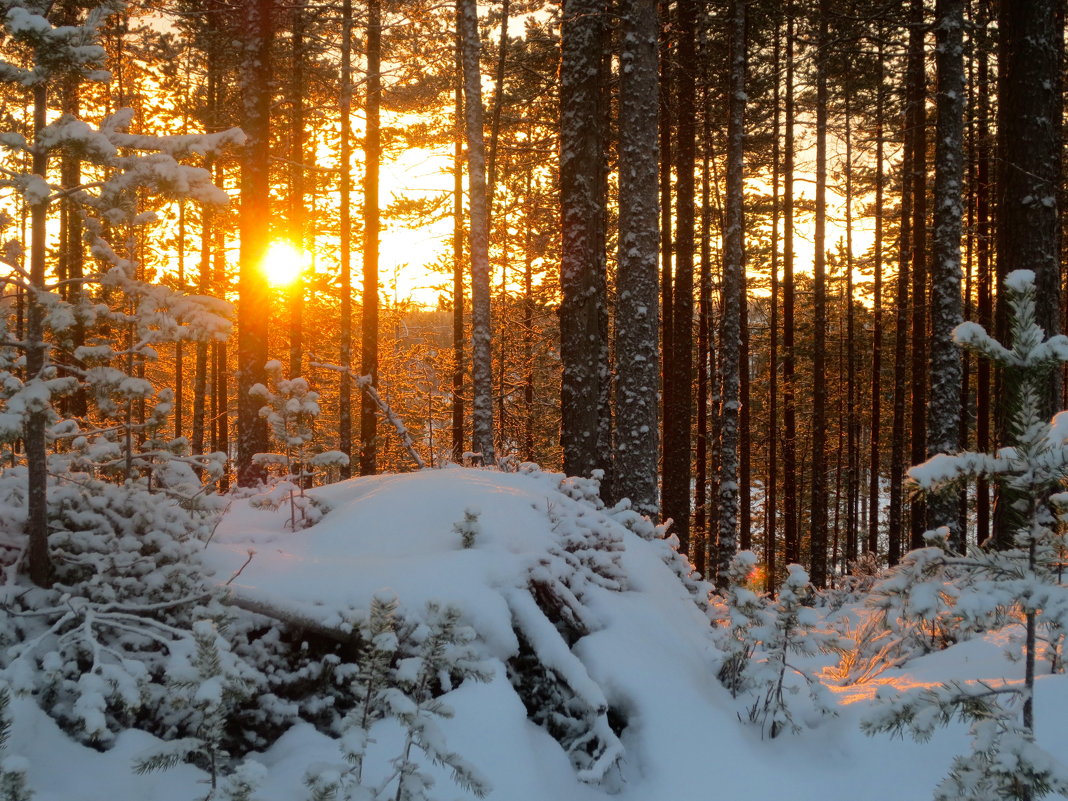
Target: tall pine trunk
(254, 304)
(818, 506)
(583, 310)
(345, 241)
(372, 150)
(943, 417)
(791, 529)
(733, 296)
(637, 324)
(678, 400)
(481, 330)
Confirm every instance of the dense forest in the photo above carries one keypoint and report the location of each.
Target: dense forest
(715, 250)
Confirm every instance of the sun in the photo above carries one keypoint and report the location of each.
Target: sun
(283, 263)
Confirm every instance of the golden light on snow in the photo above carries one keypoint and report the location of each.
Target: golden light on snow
(283, 263)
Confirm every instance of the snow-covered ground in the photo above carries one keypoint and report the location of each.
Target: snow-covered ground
(648, 656)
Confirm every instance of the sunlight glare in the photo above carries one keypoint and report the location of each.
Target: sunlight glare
(283, 263)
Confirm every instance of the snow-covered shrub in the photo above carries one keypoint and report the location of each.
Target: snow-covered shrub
(128, 586)
(13, 769)
(402, 678)
(990, 587)
(468, 528)
(291, 410)
(762, 638)
(206, 683)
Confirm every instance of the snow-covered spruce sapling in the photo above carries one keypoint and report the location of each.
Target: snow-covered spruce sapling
(291, 411)
(469, 528)
(774, 632)
(208, 683)
(403, 677)
(983, 588)
(13, 769)
(745, 611)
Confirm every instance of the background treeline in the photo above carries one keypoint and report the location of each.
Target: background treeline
(796, 254)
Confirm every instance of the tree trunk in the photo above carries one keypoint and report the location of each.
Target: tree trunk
(943, 421)
(678, 401)
(818, 514)
(916, 121)
(791, 533)
(582, 268)
(372, 149)
(458, 261)
(481, 330)
(733, 296)
(874, 488)
(297, 191)
(345, 242)
(254, 298)
(38, 559)
(1029, 182)
(637, 354)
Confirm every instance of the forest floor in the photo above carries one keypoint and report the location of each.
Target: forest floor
(648, 654)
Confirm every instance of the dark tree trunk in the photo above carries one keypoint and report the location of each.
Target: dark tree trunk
(791, 531)
(637, 355)
(943, 420)
(916, 122)
(297, 190)
(1029, 182)
(254, 304)
(733, 296)
(678, 400)
(372, 149)
(874, 462)
(345, 243)
(818, 506)
(38, 559)
(985, 306)
(583, 310)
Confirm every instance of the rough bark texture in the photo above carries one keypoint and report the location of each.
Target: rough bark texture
(637, 287)
(254, 306)
(943, 414)
(874, 436)
(372, 150)
(915, 129)
(1029, 178)
(481, 330)
(583, 310)
(38, 560)
(791, 533)
(678, 396)
(345, 237)
(733, 292)
(818, 506)
(458, 262)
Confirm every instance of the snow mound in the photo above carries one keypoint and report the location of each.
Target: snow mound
(548, 579)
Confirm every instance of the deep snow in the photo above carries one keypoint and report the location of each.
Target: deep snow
(649, 655)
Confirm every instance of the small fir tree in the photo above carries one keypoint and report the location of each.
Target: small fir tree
(989, 587)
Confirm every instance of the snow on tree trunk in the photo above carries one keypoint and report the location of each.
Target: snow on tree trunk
(678, 373)
(943, 414)
(583, 310)
(733, 291)
(39, 563)
(637, 287)
(481, 331)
